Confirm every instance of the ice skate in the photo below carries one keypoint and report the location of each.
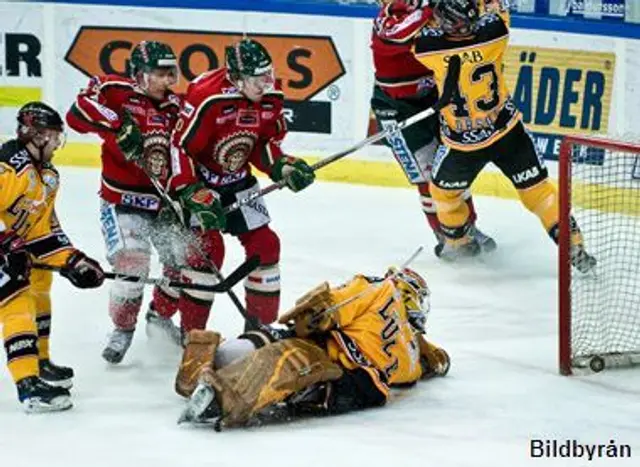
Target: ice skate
(37, 396)
(159, 327)
(119, 343)
(55, 375)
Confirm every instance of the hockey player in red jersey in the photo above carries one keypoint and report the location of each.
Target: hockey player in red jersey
(134, 117)
(404, 87)
(231, 122)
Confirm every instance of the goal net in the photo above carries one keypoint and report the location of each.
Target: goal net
(600, 311)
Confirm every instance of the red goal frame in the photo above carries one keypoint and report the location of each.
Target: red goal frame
(564, 235)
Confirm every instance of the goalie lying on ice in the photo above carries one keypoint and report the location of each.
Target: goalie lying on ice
(341, 351)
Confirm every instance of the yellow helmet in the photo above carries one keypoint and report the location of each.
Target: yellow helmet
(414, 293)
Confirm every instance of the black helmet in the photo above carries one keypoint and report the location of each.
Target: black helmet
(457, 17)
(37, 116)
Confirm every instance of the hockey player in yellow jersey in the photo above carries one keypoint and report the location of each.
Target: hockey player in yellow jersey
(342, 350)
(30, 233)
(482, 124)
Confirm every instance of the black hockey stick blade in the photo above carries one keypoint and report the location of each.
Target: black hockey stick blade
(236, 275)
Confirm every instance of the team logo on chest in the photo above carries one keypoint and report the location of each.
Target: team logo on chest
(232, 152)
(156, 153)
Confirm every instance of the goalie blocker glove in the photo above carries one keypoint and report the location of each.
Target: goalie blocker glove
(296, 172)
(204, 205)
(82, 271)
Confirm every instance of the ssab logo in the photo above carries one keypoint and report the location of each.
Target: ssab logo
(305, 65)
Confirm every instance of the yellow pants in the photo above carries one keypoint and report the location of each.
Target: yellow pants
(541, 199)
(26, 323)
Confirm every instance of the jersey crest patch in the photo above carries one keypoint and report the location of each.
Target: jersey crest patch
(232, 152)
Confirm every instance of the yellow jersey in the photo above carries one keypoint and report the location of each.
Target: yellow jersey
(482, 109)
(373, 333)
(27, 199)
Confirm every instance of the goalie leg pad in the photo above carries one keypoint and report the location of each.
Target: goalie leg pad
(199, 354)
(268, 376)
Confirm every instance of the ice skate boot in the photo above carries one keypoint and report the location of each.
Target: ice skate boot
(119, 343)
(487, 243)
(162, 328)
(37, 396)
(56, 375)
(581, 260)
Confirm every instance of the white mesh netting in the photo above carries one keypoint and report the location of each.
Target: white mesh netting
(605, 197)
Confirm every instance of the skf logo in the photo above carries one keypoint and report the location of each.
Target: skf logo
(305, 65)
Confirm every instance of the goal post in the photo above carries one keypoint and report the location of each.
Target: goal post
(599, 312)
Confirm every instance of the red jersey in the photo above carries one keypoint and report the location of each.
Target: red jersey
(220, 133)
(398, 73)
(98, 109)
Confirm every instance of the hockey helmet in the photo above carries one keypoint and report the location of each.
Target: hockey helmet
(248, 58)
(457, 17)
(151, 55)
(34, 119)
(414, 293)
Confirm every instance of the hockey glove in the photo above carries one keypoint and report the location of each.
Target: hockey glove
(434, 360)
(296, 172)
(15, 261)
(310, 314)
(204, 206)
(129, 138)
(82, 271)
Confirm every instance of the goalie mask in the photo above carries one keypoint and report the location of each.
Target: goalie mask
(42, 127)
(250, 68)
(414, 293)
(154, 67)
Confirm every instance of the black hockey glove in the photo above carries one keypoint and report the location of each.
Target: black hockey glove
(15, 261)
(82, 271)
(297, 173)
(129, 138)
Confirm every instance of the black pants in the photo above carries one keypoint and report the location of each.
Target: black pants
(514, 154)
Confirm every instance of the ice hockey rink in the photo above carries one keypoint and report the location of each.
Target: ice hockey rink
(496, 316)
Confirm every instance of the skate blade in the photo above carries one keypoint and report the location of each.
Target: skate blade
(57, 404)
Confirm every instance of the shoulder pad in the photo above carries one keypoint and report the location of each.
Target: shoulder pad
(109, 81)
(14, 155)
(490, 26)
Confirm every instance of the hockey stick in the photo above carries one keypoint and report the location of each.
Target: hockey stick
(450, 84)
(223, 286)
(177, 209)
(290, 316)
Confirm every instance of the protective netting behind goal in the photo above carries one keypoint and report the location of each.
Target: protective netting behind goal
(600, 311)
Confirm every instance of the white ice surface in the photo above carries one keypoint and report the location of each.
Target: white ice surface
(496, 317)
